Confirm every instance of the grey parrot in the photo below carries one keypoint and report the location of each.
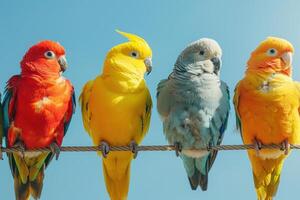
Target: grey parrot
(194, 106)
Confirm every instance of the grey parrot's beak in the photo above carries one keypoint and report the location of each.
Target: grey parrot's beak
(63, 63)
(217, 64)
(148, 63)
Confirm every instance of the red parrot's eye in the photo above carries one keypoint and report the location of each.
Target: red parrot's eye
(49, 54)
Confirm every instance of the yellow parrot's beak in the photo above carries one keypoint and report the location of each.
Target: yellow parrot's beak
(287, 58)
(148, 63)
(63, 63)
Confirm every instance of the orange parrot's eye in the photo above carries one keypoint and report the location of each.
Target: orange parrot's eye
(272, 52)
(49, 54)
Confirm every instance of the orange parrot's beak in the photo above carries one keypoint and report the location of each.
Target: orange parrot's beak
(287, 58)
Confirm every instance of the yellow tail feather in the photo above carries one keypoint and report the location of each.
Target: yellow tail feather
(116, 170)
(266, 175)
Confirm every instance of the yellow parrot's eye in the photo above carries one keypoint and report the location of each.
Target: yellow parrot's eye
(49, 54)
(134, 54)
(272, 52)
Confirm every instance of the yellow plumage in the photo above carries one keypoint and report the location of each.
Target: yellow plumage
(116, 108)
(267, 103)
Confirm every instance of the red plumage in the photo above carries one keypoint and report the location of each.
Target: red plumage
(41, 101)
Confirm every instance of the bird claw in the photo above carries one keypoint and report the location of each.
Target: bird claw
(285, 146)
(104, 148)
(178, 148)
(257, 146)
(209, 147)
(134, 148)
(21, 147)
(55, 149)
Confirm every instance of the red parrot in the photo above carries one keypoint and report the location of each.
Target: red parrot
(38, 106)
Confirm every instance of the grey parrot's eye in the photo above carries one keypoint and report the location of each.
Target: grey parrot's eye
(201, 52)
(272, 52)
(134, 54)
(49, 54)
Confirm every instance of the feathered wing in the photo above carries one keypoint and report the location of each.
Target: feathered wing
(297, 84)
(84, 102)
(17, 164)
(8, 110)
(1, 123)
(236, 98)
(163, 98)
(70, 112)
(146, 115)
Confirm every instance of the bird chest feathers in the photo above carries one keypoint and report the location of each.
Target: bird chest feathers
(116, 117)
(201, 93)
(271, 109)
(52, 96)
(42, 103)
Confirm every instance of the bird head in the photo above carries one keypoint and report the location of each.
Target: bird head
(273, 55)
(45, 58)
(129, 58)
(201, 56)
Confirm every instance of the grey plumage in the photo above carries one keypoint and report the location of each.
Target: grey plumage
(194, 105)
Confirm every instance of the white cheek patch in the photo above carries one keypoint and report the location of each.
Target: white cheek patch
(39, 105)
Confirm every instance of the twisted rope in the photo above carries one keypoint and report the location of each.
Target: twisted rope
(145, 148)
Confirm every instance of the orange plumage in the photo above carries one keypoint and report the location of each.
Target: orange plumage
(267, 102)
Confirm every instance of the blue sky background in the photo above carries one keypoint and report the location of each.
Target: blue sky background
(86, 29)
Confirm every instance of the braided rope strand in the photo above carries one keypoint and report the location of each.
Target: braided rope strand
(146, 148)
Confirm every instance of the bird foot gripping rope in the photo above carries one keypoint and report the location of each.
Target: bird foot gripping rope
(178, 148)
(285, 146)
(105, 148)
(134, 148)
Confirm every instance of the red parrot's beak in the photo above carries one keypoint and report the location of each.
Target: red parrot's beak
(63, 63)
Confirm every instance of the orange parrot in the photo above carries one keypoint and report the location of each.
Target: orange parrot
(267, 103)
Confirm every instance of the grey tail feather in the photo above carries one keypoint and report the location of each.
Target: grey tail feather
(203, 181)
(22, 191)
(194, 180)
(36, 186)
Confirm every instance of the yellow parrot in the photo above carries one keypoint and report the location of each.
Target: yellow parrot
(116, 109)
(267, 103)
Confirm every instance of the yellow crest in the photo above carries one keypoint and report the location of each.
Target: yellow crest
(132, 37)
